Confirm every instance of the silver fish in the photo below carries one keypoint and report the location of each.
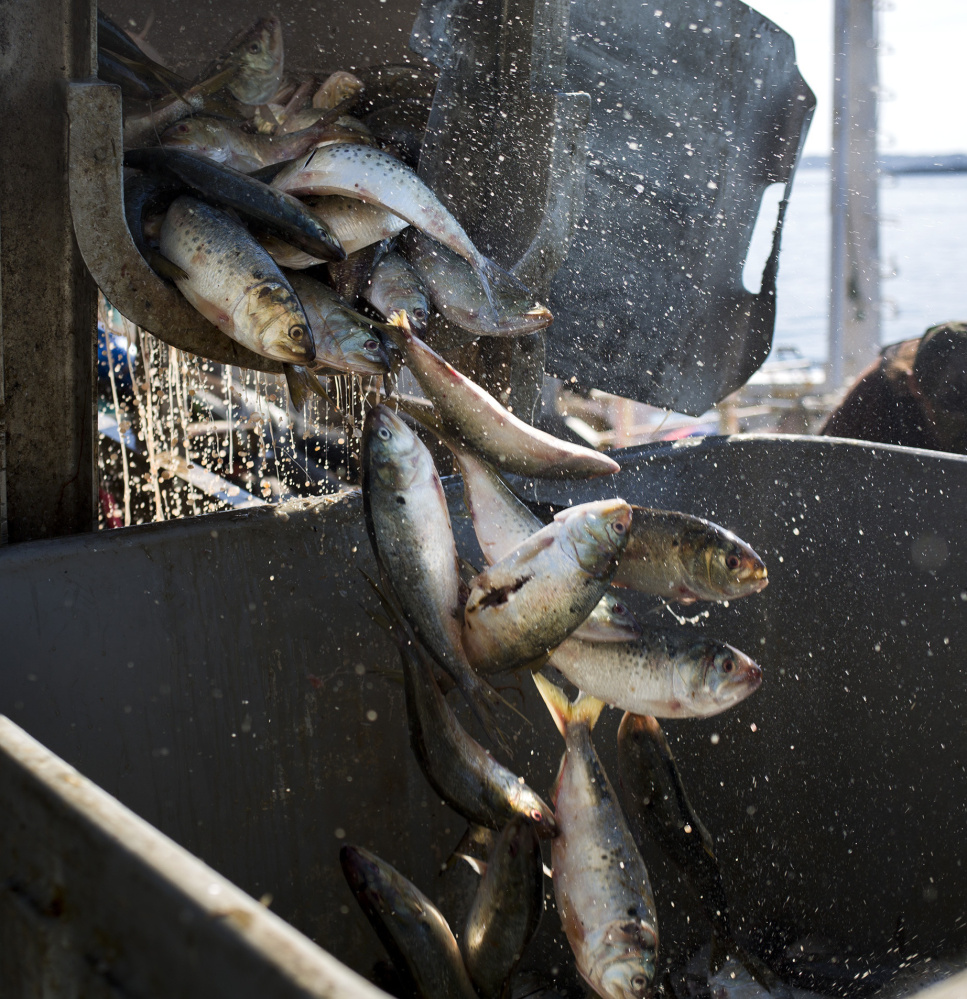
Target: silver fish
(601, 885)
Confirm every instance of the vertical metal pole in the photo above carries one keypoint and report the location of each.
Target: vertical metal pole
(47, 336)
(854, 312)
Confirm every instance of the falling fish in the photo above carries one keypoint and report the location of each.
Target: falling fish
(410, 927)
(506, 910)
(532, 599)
(502, 522)
(409, 528)
(479, 422)
(602, 888)
(667, 672)
(376, 177)
(459, 296)
(684, 558)
(458, 768)
(233, 282)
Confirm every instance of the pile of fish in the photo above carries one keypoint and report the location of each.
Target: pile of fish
(287, 210)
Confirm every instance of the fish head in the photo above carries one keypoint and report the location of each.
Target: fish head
(628, 970)
(723, 566)
(361, 351)
(392, 452)
(596, 533)
(205, 136)
(728, 676)
(610, 621)
(535, 810)
(280, 324)
(378, 886)
(257, 58)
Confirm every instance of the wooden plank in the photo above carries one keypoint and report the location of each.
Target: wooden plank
(96, 902)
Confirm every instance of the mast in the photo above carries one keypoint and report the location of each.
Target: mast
(854, 307)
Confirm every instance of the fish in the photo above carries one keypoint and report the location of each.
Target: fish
(502, 522)
(226, 142)
(376, 177)
(601, 885)
(657, 807)
(394, 286)
(411, 928)
(684, 558)
(459, 296)
(478, 421)
(281, 214)
(506, 909)
(344, 339)
(255, 59)
(460, 770)
(409, 528)
(530, 601)
(354, 223)
(733, 981)
(337, 88)
(348, 277)
(233, 282)
(668, 673)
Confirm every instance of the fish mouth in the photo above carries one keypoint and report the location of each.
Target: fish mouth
(754, 578)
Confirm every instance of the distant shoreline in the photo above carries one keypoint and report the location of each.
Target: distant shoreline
(895, 164)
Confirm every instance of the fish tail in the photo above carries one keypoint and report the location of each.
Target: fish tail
(584, 711)
(494, 280)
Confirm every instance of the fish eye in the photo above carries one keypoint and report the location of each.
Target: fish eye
(618, 527)
(371, 344)
(254, 47)
(297, 332)
(620, 609)
(383, 434)
(728, 664)
(537, 815)
(733, 562)
(419, 314)
(639, 982)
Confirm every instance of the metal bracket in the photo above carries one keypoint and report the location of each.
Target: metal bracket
(97, 209)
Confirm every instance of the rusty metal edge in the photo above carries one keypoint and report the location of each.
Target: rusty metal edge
(105, 242)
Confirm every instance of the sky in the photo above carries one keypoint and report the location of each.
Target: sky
(923, 86)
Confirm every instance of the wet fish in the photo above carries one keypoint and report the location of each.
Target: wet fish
(343, 340)
(532, 599)
(459, 296)
(354, 223)
(256, 59)
(409, 527)
(601, 885)
(348, 277)
(668, 672)
(506, 909)
(337, 88)
(502, 522)
(657, 807)
(281, 214)
(376, 177)
(225, 142)
(395, 287)
(458, 768)
(409, 925)
(684, 558)
(476, 420)
(233, 282)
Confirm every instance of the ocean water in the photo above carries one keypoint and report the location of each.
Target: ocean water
(923, 258)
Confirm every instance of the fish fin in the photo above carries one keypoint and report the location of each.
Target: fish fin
(585, 710)
(556, 786)
(477, 839)
(166, 268)
(468, 571)
(213, 84)
(300, 382)
(758, 970)
(494, 278)
(547, 871)
(477, 866)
